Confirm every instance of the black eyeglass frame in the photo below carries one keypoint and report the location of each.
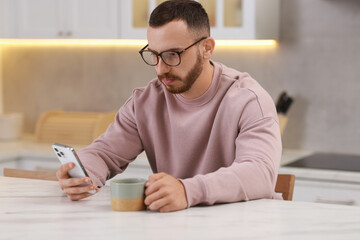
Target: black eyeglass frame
(160, 54)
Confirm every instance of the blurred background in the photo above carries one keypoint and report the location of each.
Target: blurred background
(316, 59)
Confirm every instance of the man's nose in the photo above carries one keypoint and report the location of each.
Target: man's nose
(162, 67)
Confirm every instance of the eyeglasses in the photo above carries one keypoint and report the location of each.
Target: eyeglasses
(170, 58)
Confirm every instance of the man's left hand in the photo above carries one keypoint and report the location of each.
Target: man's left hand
(165, 193)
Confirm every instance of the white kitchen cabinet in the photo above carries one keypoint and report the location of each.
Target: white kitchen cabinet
(229, 19)
(327, 192)
(31, 163)
(38, 164)
(4, 25)
(10, 163)
(63, 19)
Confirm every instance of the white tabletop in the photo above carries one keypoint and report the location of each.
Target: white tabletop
(37, 209)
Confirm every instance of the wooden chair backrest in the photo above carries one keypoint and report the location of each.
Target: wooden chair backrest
(10, 172)
(285, 185)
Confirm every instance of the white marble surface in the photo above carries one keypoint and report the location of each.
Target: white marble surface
(36, 209)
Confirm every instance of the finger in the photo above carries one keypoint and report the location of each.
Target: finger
(72, 182)
(158, 204)
(155, 177)
(76, 197)
(79, 190)
(153, 187)
(63, 170)
(154, 197)
(167, 208)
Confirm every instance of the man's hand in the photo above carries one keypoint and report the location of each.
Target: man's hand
(71, 187)
(165, 193)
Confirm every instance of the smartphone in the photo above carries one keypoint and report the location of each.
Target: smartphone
(67, 154)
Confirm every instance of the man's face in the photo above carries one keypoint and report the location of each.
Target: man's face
(175, 36)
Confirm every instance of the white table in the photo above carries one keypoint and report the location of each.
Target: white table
(37, 209)
(311, 185)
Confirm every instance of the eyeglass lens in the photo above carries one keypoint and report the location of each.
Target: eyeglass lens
(169, 57)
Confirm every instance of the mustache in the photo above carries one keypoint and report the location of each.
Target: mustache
(168, 75)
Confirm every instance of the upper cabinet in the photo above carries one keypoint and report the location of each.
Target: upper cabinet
(63, 18)
(4, 25)
(128, 19)
(229, 19)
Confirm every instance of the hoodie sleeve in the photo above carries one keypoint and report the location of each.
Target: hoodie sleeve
(111, 153)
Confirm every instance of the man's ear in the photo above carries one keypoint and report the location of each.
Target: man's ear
(209, 45)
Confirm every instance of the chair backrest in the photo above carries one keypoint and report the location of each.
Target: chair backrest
(285, 185)
(10, 172)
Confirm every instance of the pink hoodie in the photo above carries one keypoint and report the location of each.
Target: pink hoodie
(224, 146)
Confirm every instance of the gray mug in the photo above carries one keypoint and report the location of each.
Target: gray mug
(127, 194)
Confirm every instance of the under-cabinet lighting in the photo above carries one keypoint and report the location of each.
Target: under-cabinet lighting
(120, 42)
(245, 42)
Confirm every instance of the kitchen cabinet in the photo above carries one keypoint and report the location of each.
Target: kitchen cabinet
(229, 19)
(31, 163)
(9, 163)
(327, 192)
(111, 19)
(63, 19)
(4, 31)
(325, 177)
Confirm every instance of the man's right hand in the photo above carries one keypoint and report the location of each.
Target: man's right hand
(71, 187)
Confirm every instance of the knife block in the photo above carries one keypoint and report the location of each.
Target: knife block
(282, 122)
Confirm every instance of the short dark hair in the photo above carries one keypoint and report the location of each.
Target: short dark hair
(191, 12)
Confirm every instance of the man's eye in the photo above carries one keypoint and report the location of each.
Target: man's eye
(171, 54)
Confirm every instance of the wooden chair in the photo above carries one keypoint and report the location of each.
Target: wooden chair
(285, 185)
(19, 173)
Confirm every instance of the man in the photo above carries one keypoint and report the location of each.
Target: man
(210, 133)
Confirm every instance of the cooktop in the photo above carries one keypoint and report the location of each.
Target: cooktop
(332, 161)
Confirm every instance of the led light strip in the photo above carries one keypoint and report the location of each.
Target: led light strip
(245, 42)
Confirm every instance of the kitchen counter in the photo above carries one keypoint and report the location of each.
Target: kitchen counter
(23, 148)
(289, 156)
(37, 209)
(28, 148)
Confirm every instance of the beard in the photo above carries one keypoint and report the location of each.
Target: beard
(188, 81)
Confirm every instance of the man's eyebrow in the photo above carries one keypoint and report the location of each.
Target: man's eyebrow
(152, 50)
(171, 49)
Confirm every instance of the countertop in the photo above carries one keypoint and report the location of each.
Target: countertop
(28, 147)
(291, 155)
(37, 209)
